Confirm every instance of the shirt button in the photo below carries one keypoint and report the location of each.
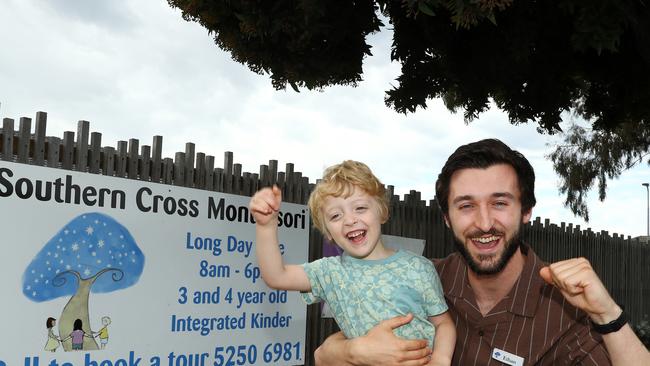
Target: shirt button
(480, 333)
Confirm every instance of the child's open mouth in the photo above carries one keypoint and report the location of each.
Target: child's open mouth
(356, 236)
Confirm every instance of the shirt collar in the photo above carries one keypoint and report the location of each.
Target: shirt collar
(525, 294)
(522, 299)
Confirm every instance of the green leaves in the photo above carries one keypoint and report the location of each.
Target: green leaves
(425, 8)
(589, 157)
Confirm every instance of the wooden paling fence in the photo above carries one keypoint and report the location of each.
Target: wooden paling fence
(622, 263)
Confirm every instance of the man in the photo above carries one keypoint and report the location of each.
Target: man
(508, 307)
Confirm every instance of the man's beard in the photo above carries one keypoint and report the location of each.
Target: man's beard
(510, 249)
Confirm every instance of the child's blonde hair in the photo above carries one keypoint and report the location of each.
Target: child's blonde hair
(339, 181)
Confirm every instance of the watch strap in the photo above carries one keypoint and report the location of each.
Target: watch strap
(612, 326)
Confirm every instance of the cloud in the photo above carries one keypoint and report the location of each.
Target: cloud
(112, 15)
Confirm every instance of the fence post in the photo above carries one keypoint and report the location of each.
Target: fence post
(288, 186)
(273, 172)
(246, 184)
(209, 173)
(199, 171)
(264, 179)
(236, 179)
(227, 172)
(168, 171)
(189, 165)
(109, 161)
(218, 180)
(82, 146)
(179, 169)
(39, 135)
(53, 152)
(24, 131)
(132, 159)
(156, 156)
(68, 150)
(7, 139)
(120, 162)
(144, 167)
(95, 152)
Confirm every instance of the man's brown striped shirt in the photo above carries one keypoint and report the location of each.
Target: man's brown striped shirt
(533, 321)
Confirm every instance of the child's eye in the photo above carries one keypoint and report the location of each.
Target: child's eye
(334, 217)
(362, 208)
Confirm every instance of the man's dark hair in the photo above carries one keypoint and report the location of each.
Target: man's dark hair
(484, 154)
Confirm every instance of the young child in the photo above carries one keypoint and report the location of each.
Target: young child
(103, 333)
(369, 282)
(77, 335)
(52, 340)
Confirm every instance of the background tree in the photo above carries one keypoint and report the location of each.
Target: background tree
(590, 157)
(93, 252)
(535, 60)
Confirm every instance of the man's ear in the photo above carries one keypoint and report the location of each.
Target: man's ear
(446, 217)
(525, 217)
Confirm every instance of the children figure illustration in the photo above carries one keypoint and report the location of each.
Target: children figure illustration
(77, 336)
(103, 333)
(53, 341)
(369, 282)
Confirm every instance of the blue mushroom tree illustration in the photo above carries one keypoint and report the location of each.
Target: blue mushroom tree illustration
(92, 253)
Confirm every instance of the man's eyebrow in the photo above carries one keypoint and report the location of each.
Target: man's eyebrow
(462, 198)
(469, 197)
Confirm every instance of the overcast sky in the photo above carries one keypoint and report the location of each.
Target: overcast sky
(136, 69)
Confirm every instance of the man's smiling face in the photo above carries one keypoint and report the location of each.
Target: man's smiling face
(485, 216)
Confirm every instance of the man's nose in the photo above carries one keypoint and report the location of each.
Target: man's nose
(484, 219)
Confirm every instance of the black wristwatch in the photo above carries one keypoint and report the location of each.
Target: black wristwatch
(612, 326)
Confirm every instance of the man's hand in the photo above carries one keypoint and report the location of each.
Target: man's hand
(379, 347)
(580, 285)
(265, 205)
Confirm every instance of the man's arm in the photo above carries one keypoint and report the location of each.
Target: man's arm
(379, 347)
(580, 285)
(265, 206)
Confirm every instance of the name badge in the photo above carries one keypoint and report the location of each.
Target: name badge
(507, 357)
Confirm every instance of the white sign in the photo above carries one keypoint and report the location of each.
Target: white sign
(507, 357)
(139, 274)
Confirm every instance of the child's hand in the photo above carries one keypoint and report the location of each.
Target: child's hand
(265, 205)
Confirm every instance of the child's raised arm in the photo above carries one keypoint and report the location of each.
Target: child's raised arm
(265, 206)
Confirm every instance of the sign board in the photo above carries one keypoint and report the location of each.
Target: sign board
(135, 273)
